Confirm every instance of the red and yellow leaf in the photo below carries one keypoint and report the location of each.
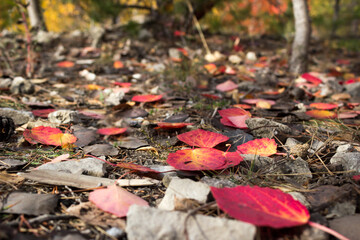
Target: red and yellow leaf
(202, 138)
(123, 84)
(321, 114)
(48, 136)
(146, 98)
(167, 125)
(261, 206)
(115, 200)
(198, 159)
(262, 147)
(111, 131)
(324, 106)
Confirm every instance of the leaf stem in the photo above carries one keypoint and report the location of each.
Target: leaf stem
(327, 230)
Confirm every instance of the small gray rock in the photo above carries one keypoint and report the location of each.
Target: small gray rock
(28, 203)
(353, 89)
(349, 160)
(101, 150)
(184, 188)
(151, 223)
(20, 85)
(264, 128)
(345, 148)
(347, 226)
(19, 117)
(91, 166)
(63, 117)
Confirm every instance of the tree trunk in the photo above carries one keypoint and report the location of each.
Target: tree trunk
(299, 61)
(335, 18)
(35, 15)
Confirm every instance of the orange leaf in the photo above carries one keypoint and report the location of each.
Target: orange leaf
(261, 206)
(48, 136)
(262, 147)
(65, 64)
(321, 114)
(210, 67)
(202, 138)
(146, 98)
(118, 64)
(94, 87)
(115, 200)
(202, 159)
(111, 131)
(324, 106)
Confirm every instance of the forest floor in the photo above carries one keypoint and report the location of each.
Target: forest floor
(316, 156)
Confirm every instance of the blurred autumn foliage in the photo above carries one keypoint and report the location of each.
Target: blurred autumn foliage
(250, 17)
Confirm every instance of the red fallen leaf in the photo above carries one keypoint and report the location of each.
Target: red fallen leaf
(226, 86)
(343, 61)
(136, 167)
(115, 200)
(261, 65)
(123, 84)
(233, 158)
(202, 138)
(256, 100)
(261, 206)
(178, 33)
(65, 64)
(312, 79)
(211, 96)
(243, 106)
(324, 106)
(234, 117)
(111, 131)
(356, 178)
(183, 51)
(167, 125)
(48, 136)
(146, 98)
(118, 64)
(230, 71)
(92, 114)
(346, 115)
(263, 147)
(321, 114)
(43, 113)
(201, 159)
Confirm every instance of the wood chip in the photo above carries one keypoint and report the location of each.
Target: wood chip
(82, 181)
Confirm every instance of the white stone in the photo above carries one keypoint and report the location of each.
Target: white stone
(181, 189)
(151, 223)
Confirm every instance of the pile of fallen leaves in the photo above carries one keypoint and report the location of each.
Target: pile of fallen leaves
(102, 147)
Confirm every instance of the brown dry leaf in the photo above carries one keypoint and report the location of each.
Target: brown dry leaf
(11, 179)
(91, 214)
(340, 96)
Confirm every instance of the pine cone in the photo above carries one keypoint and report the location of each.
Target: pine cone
(7, 128)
